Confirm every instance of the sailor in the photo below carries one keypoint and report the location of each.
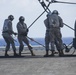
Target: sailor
(59, 45)
(47, 36)
(55, 23)
(7, 32)
(22, 35)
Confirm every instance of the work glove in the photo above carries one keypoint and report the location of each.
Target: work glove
(27, 30)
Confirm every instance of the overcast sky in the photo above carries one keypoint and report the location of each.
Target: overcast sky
(31, 9)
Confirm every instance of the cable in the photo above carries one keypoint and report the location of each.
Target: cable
(40, 15)
(63, 2)
(54, 1)
(69, 26)
(35, 41)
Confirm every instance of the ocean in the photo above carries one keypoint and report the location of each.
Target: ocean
(38, 41)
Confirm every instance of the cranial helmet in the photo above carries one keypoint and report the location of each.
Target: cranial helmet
(11, 17)
(55, 12)
(21, 18)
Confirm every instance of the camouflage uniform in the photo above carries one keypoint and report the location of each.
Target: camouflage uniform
(6, 33)
(60, 47)
(47, 37)
(22, 36)
(55, 34)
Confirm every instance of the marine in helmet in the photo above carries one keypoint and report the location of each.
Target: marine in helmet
(7, 32)
(22, 35)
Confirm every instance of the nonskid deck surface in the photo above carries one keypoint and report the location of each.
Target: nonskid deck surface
(39, 52)
(37, 65)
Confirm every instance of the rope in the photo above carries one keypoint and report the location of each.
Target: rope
(69, 26)
(39, 43)
(35, 41)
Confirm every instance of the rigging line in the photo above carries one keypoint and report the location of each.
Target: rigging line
(36, 19)
(39, 43)
(69, 26)
(44, 5)
(63, 2)
(35, 41)
(40, 15)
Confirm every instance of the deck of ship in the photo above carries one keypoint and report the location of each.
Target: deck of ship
(37, 65)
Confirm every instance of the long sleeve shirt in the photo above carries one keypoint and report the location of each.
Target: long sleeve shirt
(21, 28)
(7, 27)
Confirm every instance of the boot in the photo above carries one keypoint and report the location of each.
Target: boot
(46, 55)
(61, 53)
(19, 53)
(52, 54)
(30, 48)
(6, 55)
(15, 54)
(32, 53)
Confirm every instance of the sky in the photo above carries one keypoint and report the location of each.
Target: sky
(31, 9)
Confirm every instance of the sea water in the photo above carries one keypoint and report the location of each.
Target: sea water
(37, 41)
